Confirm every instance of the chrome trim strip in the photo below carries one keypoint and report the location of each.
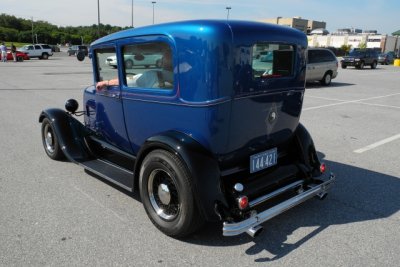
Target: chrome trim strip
(231, 229)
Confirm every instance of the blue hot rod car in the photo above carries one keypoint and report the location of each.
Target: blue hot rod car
(209, 133)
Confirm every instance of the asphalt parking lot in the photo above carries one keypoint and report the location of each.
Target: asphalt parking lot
(55, 214)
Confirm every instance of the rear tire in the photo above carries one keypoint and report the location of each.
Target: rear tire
(344, 66)
(50, 141)
(167, 194)
(45, 56)
(326, 80)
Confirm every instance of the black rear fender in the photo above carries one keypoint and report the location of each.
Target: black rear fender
(201, 165)
(306, 150)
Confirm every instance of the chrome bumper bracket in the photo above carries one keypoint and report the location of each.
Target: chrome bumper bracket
(320, 190)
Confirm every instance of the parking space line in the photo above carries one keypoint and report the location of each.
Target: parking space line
(377, 144)
(346, 102)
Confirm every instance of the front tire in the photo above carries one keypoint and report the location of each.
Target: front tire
(167, 194)
(373, 65)
(50, 141)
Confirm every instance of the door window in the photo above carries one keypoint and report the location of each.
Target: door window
(107, 73)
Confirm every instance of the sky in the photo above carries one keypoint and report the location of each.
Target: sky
(380, 15)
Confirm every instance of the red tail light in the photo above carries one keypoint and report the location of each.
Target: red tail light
(243, 202)
(322, 168)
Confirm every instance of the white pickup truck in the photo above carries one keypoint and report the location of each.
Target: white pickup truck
(41, 51)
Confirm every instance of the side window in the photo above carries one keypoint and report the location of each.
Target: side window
(107, 73)
(148, 65)
(312, 57)
(37, 47)
(30, 47)
(272, 60)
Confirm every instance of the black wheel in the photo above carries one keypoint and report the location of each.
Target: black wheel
(326, 80)
(167, 194)
(45, 56)
(129, 64)
(50, 141)
(344, 66)
(20, 59)
(373, 65)
(361, 65)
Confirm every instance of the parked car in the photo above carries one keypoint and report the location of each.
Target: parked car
(136, 60)
(41, 51)
(20, 56)
(222, 143)
(75, 49)
(361, 57)
(385, 58)
(322, 65)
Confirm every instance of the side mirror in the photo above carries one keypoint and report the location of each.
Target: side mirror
(80, 56)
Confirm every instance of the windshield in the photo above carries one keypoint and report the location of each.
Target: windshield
(355, 53)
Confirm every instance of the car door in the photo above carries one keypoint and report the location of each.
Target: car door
(109, 118)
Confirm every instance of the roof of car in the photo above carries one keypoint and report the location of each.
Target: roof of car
(202, 27)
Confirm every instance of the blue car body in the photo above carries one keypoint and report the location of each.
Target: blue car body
(220, 117)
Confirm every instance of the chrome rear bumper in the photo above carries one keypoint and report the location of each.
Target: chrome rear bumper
(320, 190)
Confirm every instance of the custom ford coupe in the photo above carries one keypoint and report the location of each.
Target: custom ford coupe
(211, 133)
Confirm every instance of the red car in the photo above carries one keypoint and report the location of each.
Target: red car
(20, 56)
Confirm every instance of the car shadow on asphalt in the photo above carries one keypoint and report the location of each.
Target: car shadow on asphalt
(358, 195)
(317, 85)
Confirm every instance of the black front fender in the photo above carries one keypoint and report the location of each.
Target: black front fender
(70, 133)
(200, 163)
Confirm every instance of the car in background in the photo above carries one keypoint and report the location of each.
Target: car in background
(41, 51)
(136, 60)
(322, 65)
(20, 56)
(360, 57)
(75, 49)
(386, 58)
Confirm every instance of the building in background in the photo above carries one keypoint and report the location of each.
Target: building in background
(318, 36)
(299, 23)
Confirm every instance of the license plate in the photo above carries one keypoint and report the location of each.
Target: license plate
(263, 160)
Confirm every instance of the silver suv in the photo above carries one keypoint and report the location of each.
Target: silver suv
(322, 65)
(41, 51)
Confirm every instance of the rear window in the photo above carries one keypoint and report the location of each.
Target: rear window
(271, 60)
(46, 46)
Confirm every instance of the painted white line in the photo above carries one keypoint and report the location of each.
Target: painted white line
(346, 102)
(379, 143)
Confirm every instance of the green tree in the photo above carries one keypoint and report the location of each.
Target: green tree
(346, 49)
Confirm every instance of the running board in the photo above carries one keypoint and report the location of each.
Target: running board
(232, 229)
(109, 171)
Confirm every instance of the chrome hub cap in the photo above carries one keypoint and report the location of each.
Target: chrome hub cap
(48, 139)
(163, 195)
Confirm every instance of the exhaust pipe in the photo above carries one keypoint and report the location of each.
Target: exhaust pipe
(255, 231)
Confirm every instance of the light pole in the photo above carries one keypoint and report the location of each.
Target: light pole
(153, 2)
(228, 8)
(98, 18)
(33, 40)
(132, 14)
